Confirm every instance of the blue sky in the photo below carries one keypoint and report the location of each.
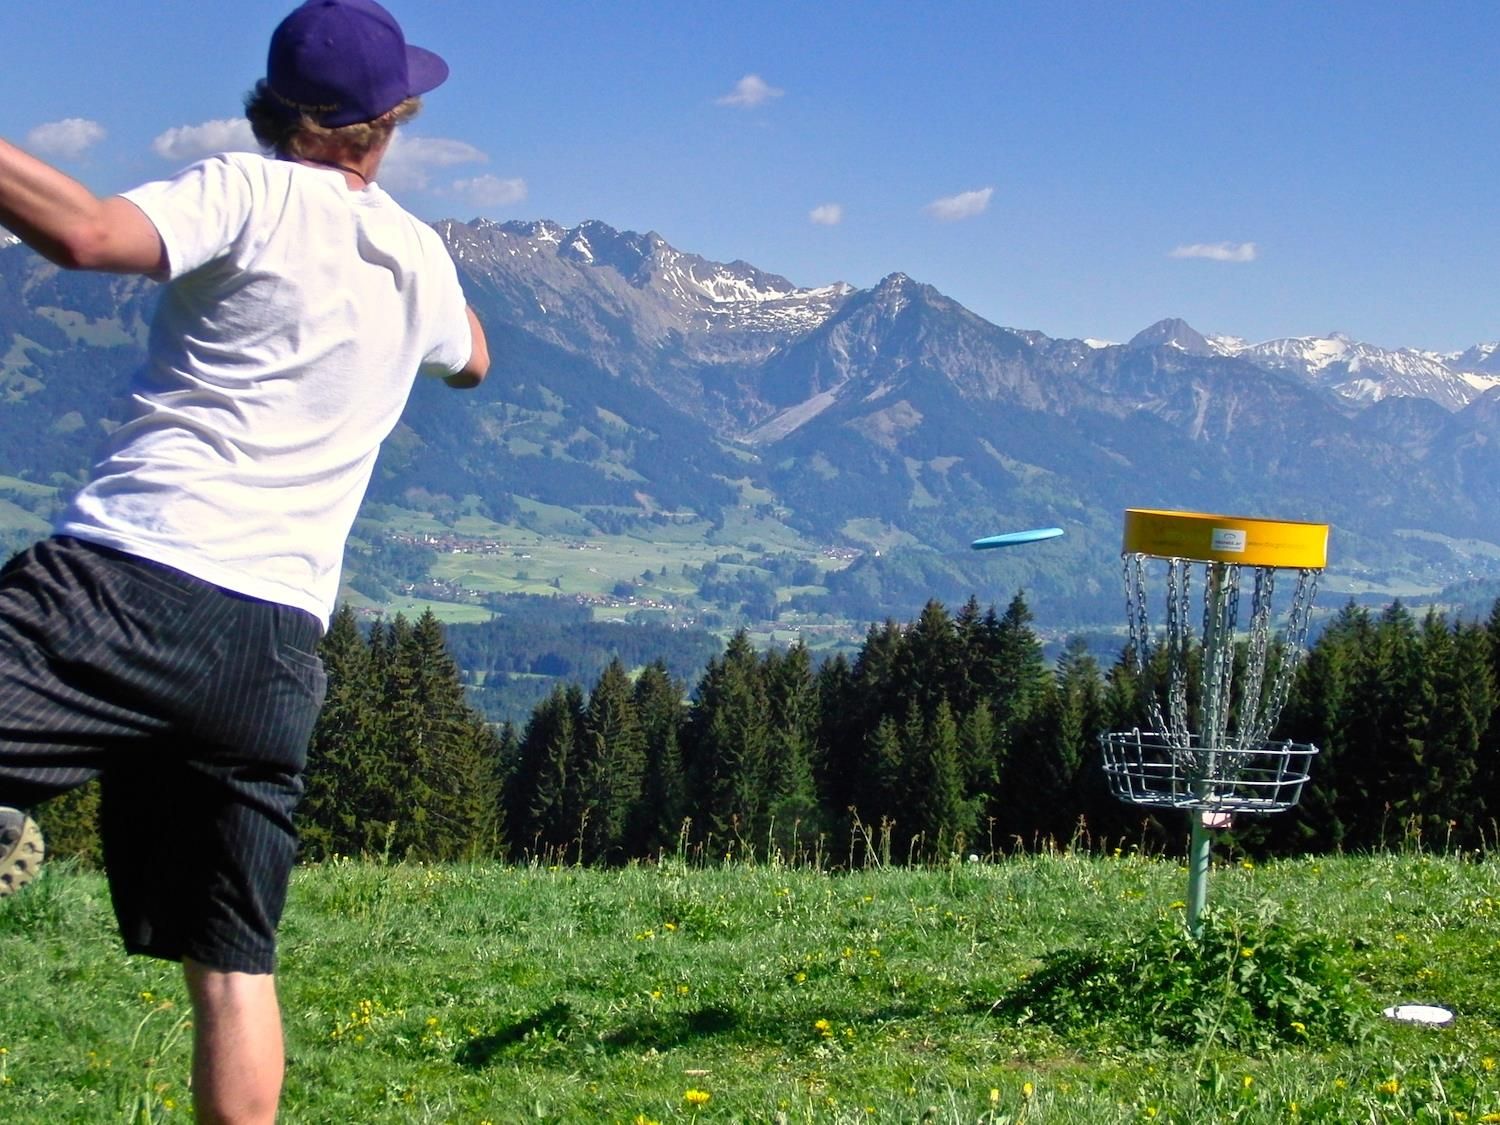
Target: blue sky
(1259, 169)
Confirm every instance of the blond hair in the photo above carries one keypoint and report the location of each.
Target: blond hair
(300, 135)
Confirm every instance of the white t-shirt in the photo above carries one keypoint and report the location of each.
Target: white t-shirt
(296, 317)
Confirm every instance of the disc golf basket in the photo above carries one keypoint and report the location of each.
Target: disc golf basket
(1208, 752)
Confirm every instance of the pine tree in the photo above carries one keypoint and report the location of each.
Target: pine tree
(1016, 675)
(1487, 773)
(939, 815)
(659, 814)
(791, 749)
(343, 768)
(878, 804)
(929, 664)
(841, 736)
(1397, 698)
(726, 748)
(535, 798)
(611, 764)
(444, 804)
(1459, 694)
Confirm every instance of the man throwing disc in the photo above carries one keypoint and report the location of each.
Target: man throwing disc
(164, 637)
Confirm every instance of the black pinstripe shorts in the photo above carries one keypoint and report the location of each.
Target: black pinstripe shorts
(194, 706)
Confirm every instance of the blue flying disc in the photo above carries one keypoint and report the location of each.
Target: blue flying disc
(1016, 538)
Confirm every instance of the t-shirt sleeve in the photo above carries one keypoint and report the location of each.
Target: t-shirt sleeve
(452, 343)
(199, 212)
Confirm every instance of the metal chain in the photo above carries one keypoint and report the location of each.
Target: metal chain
(1178, 644)
(1253, 724)
(1221, 604)
(1139, 624)
(1293, 646)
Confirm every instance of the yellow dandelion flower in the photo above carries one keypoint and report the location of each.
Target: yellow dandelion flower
(697, 1097)
(1299, 1027)
(1486, 1062)
(1247, 952)
(1027, 1089)
(1246, 1082)
(994, 1096)
(1389, 1086)
(670, 927)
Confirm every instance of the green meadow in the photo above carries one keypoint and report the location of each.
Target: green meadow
(1059, 987)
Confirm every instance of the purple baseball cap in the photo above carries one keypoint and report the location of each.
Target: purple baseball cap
(345, 61)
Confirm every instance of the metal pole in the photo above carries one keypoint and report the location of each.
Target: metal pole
(1212, 721)
(1199, 848)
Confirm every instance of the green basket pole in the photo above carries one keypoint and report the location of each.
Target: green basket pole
(1200, 847)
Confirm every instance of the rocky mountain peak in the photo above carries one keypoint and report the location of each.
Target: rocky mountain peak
(1174, 332)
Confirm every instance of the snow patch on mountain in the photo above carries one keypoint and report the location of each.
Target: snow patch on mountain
(1357, 372)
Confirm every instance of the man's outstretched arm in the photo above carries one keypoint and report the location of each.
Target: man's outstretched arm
(68, 224)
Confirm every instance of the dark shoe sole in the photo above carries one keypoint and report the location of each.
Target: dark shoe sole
(21, 861)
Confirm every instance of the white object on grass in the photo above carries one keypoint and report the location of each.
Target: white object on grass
(1420, 1013)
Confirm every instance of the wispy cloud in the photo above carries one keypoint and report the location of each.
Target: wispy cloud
(489, 191)
(827, 214)
(749, 92)
(191, 142)
(409, 161)
(1218, 251)
(67, 139)
(964, 205)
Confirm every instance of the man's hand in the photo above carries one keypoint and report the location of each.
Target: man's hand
(67, 224)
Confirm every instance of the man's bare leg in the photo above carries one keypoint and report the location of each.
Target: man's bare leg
(238, 1057)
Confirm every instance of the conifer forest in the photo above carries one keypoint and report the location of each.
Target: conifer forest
(951, 734)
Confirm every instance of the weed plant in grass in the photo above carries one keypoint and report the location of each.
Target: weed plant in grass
(765, 992)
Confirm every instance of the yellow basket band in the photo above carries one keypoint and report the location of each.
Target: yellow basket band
(1228, 539)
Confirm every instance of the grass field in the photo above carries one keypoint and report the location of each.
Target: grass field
(747, 992)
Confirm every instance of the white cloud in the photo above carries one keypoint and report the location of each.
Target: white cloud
(964, 205)
(192, 142)
(750, 91)
(1218, 251)
(489, 191)
(827, 214)
(409, 160)
(67, 139)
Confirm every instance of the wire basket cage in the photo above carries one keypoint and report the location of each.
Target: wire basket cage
(1156, 769)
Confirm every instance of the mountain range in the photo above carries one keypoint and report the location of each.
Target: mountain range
(637, 386)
